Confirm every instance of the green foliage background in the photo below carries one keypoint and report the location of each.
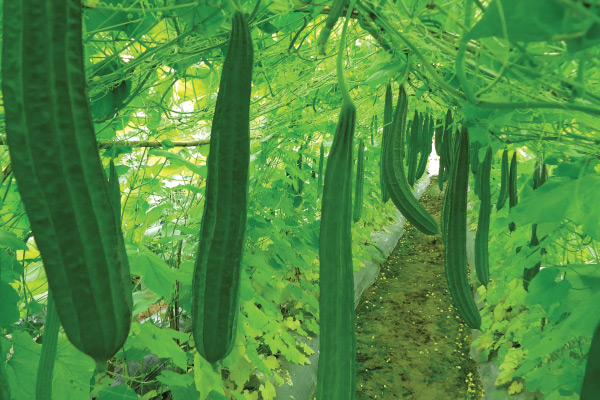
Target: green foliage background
(523, 75)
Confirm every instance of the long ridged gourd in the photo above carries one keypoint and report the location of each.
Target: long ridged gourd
(513, 198)
(406, 138)
(482, 261)
(57, 167)
(475, 164)
(540, 175)
(320, 172)
(456, 243)
(591, 379)
(336, 378)
(438, 136)
(444, 213)
(43, 385)
(447, 146)
(400, 192)
(360, 177)
(388, 110)
(412, 151)
(421, 143)
(114, 190)
(503, 195)
(530, 272)
(474, 154)
(216, 281)
(439, 129)
(373, 129)
(336, 375)
(448, 195)
(426, 144)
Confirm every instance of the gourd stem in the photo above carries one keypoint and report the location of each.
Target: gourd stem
(340, 64)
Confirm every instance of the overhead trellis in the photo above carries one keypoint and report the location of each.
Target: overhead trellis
(453, 53)
(520, 75)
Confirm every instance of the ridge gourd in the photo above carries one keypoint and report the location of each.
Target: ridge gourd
(360, 176)
(503, 195)
(388, 110)
(482, 263)
(216, 281)
(397, 183)
(336, 279)
(513, 198)
(57, 167)
(456, 235)
(336, 373)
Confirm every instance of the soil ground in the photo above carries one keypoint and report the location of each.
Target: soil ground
(411, 344)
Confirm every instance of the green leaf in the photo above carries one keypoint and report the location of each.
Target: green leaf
(176, 159)
(385, 69)
(121, 392)
(158, 341)
(170, 378)
(101, 106)
(143, 299)
(528, 21)
(205, 378)
(72, 372)
(213, 395)
(22, 365)
(9, 312)
(12, 269)
(547, 288)
(10, 240)
(155, 273)
(132, 23)
(565, 377)
(560, 199)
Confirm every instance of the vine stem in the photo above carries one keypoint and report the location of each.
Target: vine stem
(43, 387)
(481, 104)
(340, 56)
(460, 56)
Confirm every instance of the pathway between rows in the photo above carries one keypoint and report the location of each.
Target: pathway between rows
(410, 341)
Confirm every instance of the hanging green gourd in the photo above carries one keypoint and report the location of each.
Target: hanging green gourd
(456, 236)
(385, 142)
(337, 345)
(503, 195)
(320, 171)
(412, 151)
(216, 282)
(482, 263)
(360, 177)
(399, 188)
(540, 174)
(513, 198)
(61, 180)
(425, 146)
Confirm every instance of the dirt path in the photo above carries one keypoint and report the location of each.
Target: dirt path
(410, 342)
